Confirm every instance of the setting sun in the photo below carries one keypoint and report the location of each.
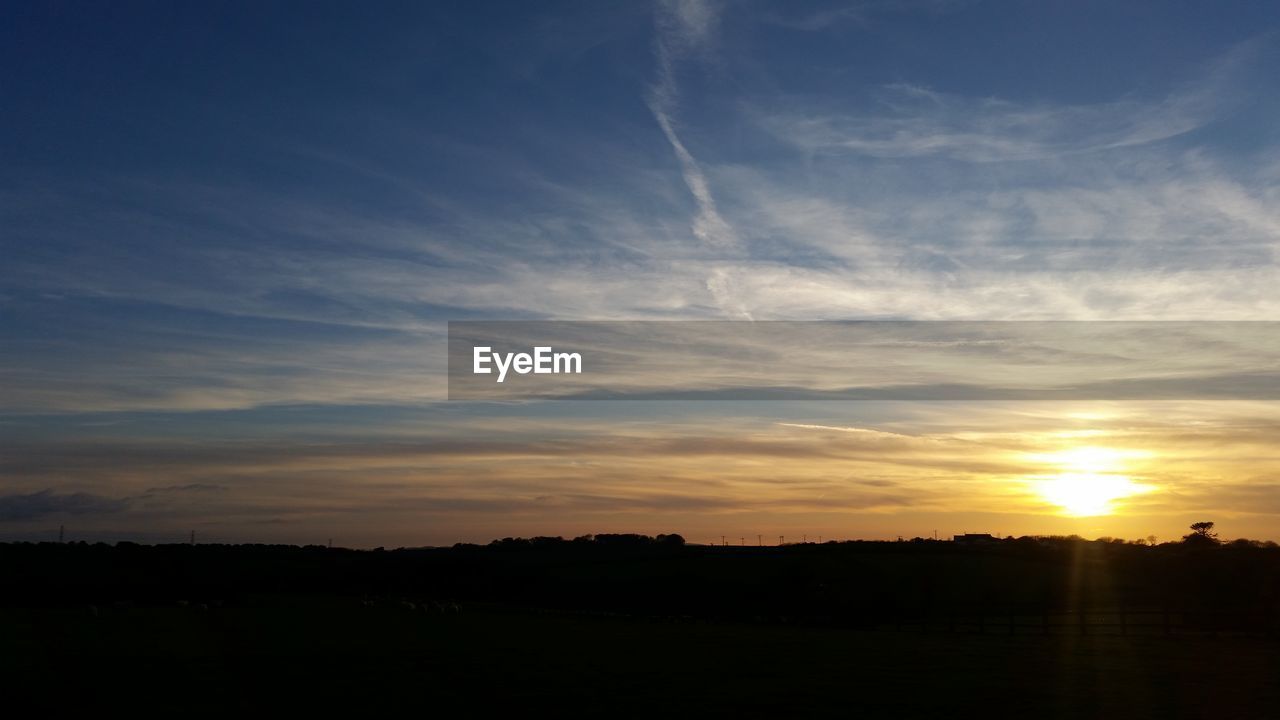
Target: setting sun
(1090, 479)
(1086, 494)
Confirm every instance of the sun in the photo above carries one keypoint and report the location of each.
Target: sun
(1087, 494)
(1089, 481)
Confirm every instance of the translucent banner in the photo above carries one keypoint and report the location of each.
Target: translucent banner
(862, 360)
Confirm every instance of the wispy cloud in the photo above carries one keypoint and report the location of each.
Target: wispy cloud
(871, 432)
(36, 505)
(712, 469)
(911, 121)
(685, 27)
(708, 226)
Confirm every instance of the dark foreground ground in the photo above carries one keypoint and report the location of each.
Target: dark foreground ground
(629, 626)
(317, 655)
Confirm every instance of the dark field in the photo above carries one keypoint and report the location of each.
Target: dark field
(618, 627)
(322, 655)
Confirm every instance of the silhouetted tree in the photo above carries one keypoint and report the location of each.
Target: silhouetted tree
(1201, 533)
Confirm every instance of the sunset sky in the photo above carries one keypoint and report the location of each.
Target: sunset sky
(233, 234)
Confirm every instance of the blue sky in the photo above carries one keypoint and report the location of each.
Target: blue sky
(248, 223)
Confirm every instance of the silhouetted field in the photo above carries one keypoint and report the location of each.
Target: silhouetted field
(635, 627)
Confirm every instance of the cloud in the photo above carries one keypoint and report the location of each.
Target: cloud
(684, 26)
(708, 226)
(188, 488)
(32, 506)
(221, 295)
(917, 122)
(710, 467)
(1192, 240)
(862, 14)
(870, 432)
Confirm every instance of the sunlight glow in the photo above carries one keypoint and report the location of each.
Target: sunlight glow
(1087, 494)
(1090, 479)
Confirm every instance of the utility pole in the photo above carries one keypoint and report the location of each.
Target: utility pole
(330, 543)
(779, 541)
(62, 529)
(760, 540)
(193, 537)
(722, 542)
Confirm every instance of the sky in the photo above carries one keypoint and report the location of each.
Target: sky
(233, 234)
